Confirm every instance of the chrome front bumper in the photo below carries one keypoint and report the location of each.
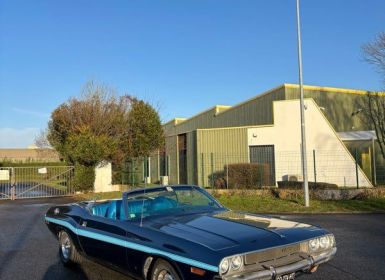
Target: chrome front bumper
(301, 266)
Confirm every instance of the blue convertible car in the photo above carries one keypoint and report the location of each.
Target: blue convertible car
(182, 232)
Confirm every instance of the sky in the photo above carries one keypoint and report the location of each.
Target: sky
(183, 56)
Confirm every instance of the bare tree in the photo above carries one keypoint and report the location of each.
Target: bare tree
(41, 140)
(374, 114)
(374, 53)
(374, 111)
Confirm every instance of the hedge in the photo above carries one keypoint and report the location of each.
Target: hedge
(243, 176)
(84, 177)
(312, 185)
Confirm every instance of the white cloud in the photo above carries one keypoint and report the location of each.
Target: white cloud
(30, 112)
(18, 138)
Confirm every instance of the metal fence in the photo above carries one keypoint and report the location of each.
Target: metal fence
(264, 168)
(260, 166)
(133, 172)
(33, 182)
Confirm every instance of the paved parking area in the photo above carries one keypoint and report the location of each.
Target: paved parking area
(29, 251)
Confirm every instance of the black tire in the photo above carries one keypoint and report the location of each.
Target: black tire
(68, 253)
(162, 270)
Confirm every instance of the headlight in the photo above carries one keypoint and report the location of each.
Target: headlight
(224, 266)
(324, 242)
(332, 240)
(321, 243)
(314, 245)
(236, 262)
(231, 264)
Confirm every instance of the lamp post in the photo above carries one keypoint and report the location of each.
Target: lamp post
(302, 109)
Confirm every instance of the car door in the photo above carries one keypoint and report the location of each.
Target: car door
(102, 235)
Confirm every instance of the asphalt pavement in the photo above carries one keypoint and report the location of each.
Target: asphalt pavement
(29, 251)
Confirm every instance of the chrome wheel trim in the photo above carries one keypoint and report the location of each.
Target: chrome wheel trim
(65, 245)
(165, 275)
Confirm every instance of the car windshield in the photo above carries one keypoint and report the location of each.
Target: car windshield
(169, 200)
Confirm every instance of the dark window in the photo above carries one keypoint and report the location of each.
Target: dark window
(163, 160)
(264, 155)
(182, 150)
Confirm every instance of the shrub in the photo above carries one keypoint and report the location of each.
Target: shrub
(84, 178)
(243, 176)
(312, 185)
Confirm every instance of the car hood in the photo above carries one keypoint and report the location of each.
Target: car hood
(228, 229)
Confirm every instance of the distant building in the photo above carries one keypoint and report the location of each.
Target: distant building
(266, 130)
(32, 154)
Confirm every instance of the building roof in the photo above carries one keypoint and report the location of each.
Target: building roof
(22, 155)
(357, 135)
(329, 89)
(219, 109)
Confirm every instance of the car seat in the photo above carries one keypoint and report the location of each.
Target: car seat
(162, 203)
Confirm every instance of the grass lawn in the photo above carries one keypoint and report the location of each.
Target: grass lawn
(275, 205)
(268, 204)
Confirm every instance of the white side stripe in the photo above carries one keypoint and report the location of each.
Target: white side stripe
(131, 245)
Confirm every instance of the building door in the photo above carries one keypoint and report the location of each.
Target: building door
(366, 162)
(182, 150)
(264, 155)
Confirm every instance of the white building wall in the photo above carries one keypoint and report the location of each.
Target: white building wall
(333, 161)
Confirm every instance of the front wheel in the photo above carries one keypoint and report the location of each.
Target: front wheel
(68, 253)
(164, 271)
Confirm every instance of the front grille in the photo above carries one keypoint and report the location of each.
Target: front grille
(272, 255)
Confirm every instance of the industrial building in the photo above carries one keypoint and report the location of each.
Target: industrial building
(266, 130)
(30, 154)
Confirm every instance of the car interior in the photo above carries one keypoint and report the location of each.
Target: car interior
(114, 209)
(111, 209)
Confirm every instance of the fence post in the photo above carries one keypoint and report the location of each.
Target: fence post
(356, 156)
(13, 192)
(144, 171)
(168, 167)
(13, 184)
(203, 169)
(212, 170)
(227, 174)
(315, 168)
(132, 173)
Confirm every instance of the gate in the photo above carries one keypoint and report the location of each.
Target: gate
(35, 182)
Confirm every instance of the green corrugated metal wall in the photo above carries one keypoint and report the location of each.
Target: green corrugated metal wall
(256, 111)
(172, 152)
(338, 107)
(154, 168)
(202, 120)
(191, 158)
(218, 147)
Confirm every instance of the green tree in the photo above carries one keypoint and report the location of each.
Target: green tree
(144, 129)
(101, 126)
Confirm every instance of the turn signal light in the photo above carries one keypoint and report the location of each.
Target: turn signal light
(198, 271)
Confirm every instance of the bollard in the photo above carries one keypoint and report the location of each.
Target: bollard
(13, 192)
